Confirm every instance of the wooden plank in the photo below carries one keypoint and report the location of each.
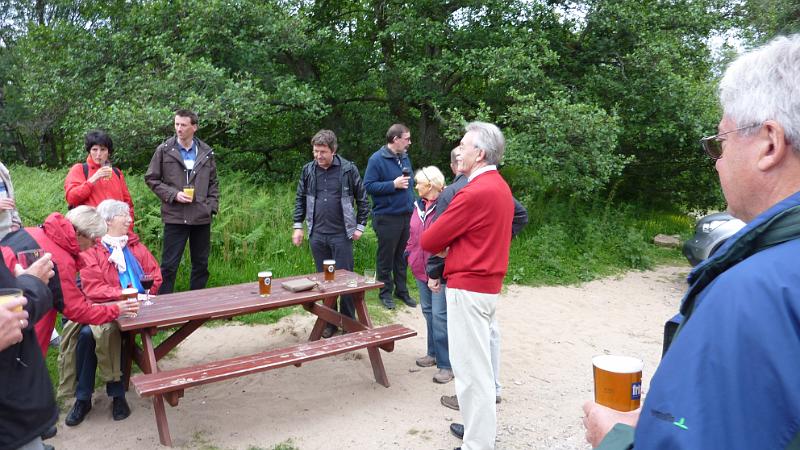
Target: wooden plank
(171, 380)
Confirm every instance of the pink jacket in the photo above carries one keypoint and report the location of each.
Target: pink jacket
(421, 219)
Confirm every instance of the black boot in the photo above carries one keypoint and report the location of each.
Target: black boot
(78, 412)
(120, 409)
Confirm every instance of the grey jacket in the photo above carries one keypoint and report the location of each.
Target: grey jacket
(167, 175)
(9, 217)
(352, 192)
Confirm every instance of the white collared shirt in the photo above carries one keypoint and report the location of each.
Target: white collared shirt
(481, 170)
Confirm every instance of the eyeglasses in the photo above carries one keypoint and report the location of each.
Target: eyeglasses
(712, 145)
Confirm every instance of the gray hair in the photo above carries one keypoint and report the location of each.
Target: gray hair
(764, 84)
(108, 209)
(488, 138)
(87, 222)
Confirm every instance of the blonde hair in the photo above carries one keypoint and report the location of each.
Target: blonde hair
(430, 175)
(87, 222)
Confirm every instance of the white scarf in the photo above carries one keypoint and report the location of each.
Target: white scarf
(117, 243)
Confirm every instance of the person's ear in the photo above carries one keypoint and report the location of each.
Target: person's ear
(772, 146)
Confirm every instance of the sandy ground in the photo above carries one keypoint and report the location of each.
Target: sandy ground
(549, 337)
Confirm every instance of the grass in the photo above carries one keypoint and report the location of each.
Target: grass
(565, 242)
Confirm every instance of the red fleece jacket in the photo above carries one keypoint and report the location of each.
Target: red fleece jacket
(477, 228)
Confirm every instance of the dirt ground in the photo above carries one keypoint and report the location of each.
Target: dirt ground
(549, 335)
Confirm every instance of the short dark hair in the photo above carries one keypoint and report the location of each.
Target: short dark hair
(188, 113)
(98, 137)
(395, 131)
(327, 138)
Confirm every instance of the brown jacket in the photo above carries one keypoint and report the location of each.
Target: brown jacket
(167, 175)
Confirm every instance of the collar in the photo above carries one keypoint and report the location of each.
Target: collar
(483, 169)
(336, 162)
(191, 149)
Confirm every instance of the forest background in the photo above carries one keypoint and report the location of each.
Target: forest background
(602, 103)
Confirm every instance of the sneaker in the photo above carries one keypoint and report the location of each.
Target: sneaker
(443, 376)
(388, 303)
(450, 401)
(426, 361)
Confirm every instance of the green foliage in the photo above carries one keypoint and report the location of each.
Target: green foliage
(570, 147)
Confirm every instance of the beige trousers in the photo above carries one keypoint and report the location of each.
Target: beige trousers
(470, 316)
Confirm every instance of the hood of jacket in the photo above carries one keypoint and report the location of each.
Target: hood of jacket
(60, 230)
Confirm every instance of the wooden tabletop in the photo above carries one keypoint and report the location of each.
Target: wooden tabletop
(235, 300)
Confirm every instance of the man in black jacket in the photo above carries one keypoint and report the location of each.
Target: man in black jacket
(328, 188)
(27, 404)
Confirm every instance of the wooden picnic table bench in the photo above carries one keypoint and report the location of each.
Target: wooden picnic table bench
(184, 312)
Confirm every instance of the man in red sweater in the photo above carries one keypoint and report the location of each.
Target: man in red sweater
(476, 232)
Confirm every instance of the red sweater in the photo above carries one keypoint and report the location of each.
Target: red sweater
(79, 191)
(477, 228)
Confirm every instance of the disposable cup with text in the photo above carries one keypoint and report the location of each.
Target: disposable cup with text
(265, 283)
(329, 269)
(617, 381)
(28, 257)
(9, 294)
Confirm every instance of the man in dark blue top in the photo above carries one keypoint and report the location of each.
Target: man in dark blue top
(328, 187)
(388, 182)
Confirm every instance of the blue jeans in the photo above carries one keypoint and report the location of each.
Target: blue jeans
(434, 309)
(86, 365)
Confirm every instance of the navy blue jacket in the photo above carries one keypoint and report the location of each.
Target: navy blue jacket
(382, 168)
(730, 377)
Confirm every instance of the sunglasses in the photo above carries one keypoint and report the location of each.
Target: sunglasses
(712, 145)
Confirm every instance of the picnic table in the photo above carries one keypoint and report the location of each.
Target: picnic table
(180, 314)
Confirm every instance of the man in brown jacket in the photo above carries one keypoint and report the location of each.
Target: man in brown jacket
(183, 174)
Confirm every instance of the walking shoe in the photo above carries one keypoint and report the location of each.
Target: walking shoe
(388, 303)
(120, 409)
(410, 302)
(328, 331)
(426, 361)
(78, 412)
(451, 401)
(457, 429)
(443, 376)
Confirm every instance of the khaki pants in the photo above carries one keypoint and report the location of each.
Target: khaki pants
(470, 316)
(108, 342)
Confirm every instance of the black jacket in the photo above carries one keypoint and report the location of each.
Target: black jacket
(27, 403)
(352, 190)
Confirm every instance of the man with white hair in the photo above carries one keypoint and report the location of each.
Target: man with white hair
(476, 227)
(729, 377)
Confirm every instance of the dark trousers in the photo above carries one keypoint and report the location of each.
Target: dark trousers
(86, 365)
(392, 232)
(340, 248)
(175, 237)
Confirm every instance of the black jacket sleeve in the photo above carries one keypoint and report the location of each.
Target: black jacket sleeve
(299, 214)
(360, 194)
(520, 218)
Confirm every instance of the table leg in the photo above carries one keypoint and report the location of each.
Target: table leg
(319, 325)
(374, 354)
(161, 421)
(149, 361)
(128, 350)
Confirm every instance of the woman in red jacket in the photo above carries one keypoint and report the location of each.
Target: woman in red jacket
(118, 261)
(65, 238)
(95, 180)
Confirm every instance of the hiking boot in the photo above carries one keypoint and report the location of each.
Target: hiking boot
(426, 361)
(443, 376)
(78, 412)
